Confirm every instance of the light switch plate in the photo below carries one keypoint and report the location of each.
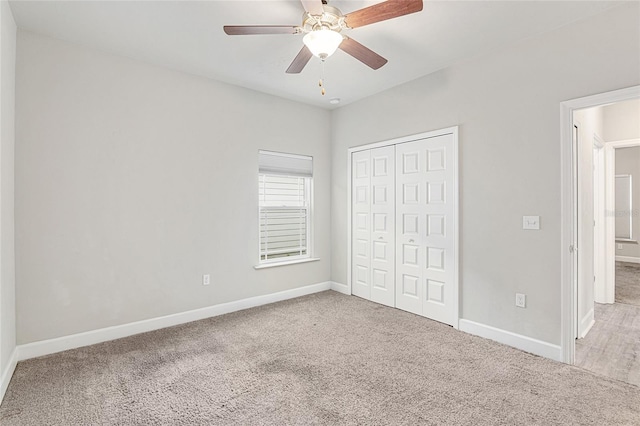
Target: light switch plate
(531, 222)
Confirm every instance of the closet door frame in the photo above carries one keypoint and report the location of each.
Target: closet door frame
(411, 138)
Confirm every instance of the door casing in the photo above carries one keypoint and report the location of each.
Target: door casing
(568, 238)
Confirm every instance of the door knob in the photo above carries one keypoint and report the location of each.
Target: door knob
(410, 241)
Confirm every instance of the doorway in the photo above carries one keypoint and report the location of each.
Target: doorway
(592, 134)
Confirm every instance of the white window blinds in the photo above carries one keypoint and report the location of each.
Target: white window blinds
(284, 204)
(276, 163)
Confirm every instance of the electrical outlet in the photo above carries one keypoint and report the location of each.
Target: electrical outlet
(619, 246)
(521, 300)
(206, 279)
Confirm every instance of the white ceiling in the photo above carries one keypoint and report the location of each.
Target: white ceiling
(188, 36)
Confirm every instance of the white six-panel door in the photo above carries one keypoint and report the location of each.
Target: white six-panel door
(404, 226)
(373, 225)
(426, 214)
(383, 240)
(361, 224)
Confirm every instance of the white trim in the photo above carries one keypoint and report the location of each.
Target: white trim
(456, 231)
(8, 373)
(598, 142)
(599, 230)
(625, 143)
(609, 224)
(628, 259)
(287, 262)
(340, 288)
(518, 341)
(411, 138)
(349, 219)
(586, 323)
(46, 347)
(567, 238)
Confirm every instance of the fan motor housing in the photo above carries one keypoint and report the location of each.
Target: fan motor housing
(331, 19)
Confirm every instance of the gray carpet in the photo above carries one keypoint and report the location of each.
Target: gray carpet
(628, 283)
(320, 359)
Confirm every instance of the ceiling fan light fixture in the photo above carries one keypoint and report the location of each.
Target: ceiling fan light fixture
(323, 42)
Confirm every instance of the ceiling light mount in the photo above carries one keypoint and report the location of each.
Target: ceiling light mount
(331, 18)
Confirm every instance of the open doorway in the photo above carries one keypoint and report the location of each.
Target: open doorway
(606, 261)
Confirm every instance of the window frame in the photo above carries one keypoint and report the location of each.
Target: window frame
(308, 206)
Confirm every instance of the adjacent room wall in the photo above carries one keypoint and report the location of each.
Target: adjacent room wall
(589, 125)
(132, 181)
(507, 105)
(621, 123)
(628, 163)
(7, 139)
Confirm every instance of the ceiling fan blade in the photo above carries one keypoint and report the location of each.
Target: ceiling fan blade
(300, 61)
(260, 29)
(361, 53)
(314, 7)
(382, 11)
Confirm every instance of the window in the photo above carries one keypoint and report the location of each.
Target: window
(284, 191)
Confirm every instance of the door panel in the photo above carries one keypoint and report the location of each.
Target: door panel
(426, 181)
(361, 225)
(383, 232)
(410, 229)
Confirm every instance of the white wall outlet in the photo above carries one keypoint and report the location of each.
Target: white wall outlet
(521, 300)
(531, 222)
(206, 279)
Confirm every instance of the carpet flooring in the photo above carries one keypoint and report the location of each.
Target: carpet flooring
(628, 283)
(326, 358)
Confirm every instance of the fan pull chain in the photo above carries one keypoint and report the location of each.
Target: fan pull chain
(321, 82)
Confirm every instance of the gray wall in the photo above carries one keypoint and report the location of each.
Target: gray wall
(132, 181)
(507, 107)
(628, 163)
(7, 139)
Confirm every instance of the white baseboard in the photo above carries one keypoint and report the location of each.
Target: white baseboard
(46, 347)
(8, 373)
(628, 259)
(340, 288)
(518, 341)
(586, 323)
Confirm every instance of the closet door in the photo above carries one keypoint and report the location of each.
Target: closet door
(426, 209)
(361, 224)
(383, 225)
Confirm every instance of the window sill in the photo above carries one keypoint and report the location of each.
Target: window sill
(289, 262)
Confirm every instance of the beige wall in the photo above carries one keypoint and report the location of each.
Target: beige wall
(621, 121)
(132, 181)
(507, 106)
(7, 139)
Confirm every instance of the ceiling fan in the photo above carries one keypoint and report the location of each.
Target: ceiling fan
(323, 25)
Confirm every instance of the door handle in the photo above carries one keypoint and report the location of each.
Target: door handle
(379, 238)
(410, 241)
